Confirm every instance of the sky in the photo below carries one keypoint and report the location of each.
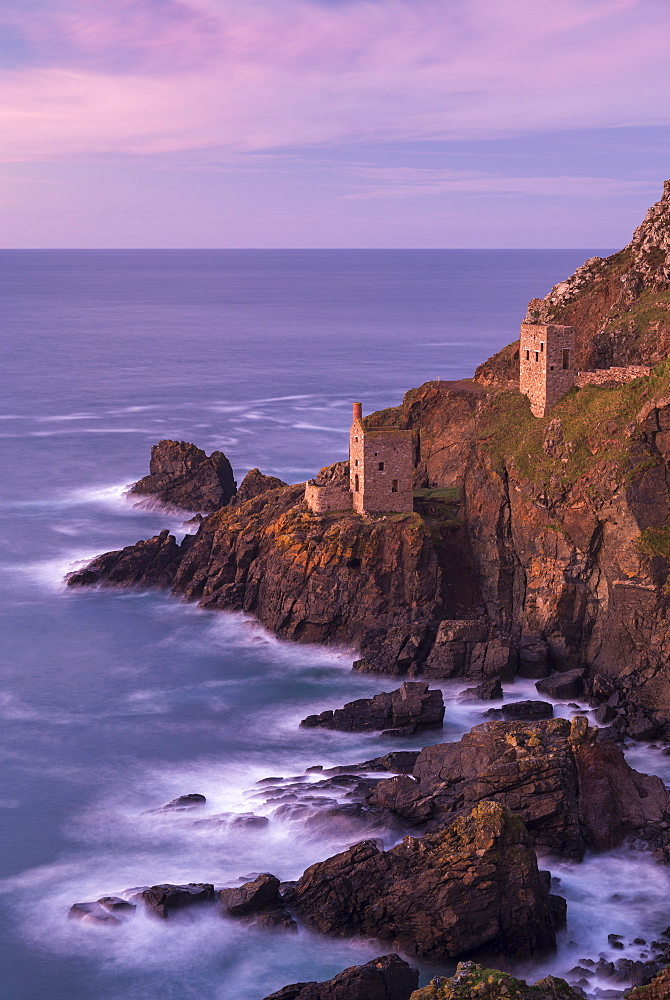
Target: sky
(331, 123)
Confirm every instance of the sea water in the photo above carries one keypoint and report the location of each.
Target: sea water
(115, 702)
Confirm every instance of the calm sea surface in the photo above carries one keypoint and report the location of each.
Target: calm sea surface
(114, 703)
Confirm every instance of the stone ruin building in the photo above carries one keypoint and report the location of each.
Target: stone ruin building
(380, 473)
(547, 371)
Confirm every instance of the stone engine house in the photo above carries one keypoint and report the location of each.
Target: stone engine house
(546, 368)
(381, 471)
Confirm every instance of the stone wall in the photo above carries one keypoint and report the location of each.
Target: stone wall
(546, 362)
(611, 376)
(325, 498)
(381, 469)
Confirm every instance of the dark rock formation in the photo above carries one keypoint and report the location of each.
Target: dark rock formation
(410, 708)
(259, 900)
(182, 475)
(93, 913)
(470, 649)
(572, 790)
(472, 982)
(566, 685)
(470, 887)
(385, 978)
(164, 900)
(255, 483)
(193, 800)
(488, 690)
(528, 710)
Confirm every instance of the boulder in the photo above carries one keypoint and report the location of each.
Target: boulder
(528, 710)
(163, 900)
(385, 978)
(488, 690)
(473, 982)
(571, 789)
(409, 708)
(259, 899)
(533, 655)
(182, 475)
(563, 685)
(255, 483)
(472, 885)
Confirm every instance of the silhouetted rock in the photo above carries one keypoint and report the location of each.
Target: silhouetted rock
(528, 710)
(193, 800)
(255, 483)
(182, 475)
(385, 978)
(411, 707)
(474, 885)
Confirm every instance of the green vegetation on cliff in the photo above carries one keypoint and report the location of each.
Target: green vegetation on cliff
(591, 432)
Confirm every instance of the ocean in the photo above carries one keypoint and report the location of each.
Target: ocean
(115, 702)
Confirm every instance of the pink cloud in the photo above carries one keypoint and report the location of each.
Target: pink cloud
(143, 77)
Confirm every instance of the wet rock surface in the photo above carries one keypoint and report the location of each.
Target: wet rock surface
(474, 982)
(182, 475)
(411, 707)
(475, 885)
(528, 710)
(385, 978)
(572, 790)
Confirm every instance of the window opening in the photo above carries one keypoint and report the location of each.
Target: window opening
(356, 483)
(541, 347)
(527, 355)
(394, 486)
(537, 355)
(381, 466)
(566, 360)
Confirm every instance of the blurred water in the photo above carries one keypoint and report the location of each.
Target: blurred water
(114, 702)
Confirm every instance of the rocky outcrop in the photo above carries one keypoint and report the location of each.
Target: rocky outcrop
(385, 978)
(657, 989)
(312, 578)
(182, 475)
(255, 483)
(473, 886)
(405, 711)
(473, 982)
(572, 790)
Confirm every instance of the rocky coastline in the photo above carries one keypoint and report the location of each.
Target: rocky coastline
(537, 548)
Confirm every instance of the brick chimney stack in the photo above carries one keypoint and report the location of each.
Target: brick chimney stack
(358, 411)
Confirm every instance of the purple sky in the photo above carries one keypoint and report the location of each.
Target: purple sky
(331, 123)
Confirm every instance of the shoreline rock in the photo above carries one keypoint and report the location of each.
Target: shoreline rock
(182, 475)
(413, 706)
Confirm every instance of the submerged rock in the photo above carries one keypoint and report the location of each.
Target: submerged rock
(474, 885)
(182, 475)
(385, 978)
(192, 800)
(411, 707)
(473, 982)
